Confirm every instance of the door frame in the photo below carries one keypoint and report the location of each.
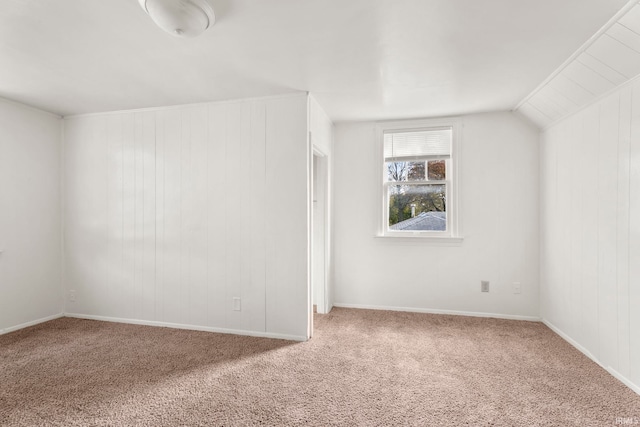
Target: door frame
(320, 188)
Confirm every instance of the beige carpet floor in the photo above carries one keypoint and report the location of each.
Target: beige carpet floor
(361, 368)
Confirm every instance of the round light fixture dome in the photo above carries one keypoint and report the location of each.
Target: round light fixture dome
(182, 18)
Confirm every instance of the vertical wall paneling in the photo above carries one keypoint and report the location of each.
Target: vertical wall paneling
(575, 230)
(185, 275)
(232, 207)
(147, 216)
(634, 239)
(254, 220)
(607, 222)
(554, 247)
(98, 146)
(562, 234)
(622, 268)
(172, 213)
(129, 285)
(216, 213)
(184, 166)
(547, 183)
(173, 185)
(160, 285)
(578, 210)
(138, 205)
(115, 180)
(243, 211)
(198, 224)
(594, 302)
(591, 123)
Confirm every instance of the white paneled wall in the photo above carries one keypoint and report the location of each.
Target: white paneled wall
(609, 59)
(321, 129)
(590, 222)
(29, 216)
(172, 213)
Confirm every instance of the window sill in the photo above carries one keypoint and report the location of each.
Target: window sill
(449, 241)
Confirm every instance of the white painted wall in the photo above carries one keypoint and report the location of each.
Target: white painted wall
(590, 223)
(171, 213)
(321, 129)
(29, 216)
(498, 168)
(319, 220)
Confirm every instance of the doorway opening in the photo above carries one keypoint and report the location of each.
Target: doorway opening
(320, 234)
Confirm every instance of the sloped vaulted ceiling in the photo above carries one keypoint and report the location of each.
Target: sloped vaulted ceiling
(607, 60)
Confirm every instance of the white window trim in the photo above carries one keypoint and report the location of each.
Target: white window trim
(453, 233)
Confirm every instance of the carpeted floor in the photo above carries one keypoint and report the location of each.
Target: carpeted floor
(361, 368)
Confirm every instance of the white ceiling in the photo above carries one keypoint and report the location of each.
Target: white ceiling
(608, 60)
(362, 59)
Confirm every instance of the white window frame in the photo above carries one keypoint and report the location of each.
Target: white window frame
(452, 179)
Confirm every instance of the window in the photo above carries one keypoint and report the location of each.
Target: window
(419, 193)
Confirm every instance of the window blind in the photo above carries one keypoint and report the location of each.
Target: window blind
(417, 145)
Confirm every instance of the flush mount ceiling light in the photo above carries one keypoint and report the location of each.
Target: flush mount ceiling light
(182, 18)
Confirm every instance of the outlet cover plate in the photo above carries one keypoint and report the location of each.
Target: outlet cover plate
(484, 286)
(517, 287)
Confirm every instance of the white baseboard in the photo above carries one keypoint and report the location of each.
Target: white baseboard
(31, 323)
(187, 327)
(437, 311)
(624, 380)
(571, 341)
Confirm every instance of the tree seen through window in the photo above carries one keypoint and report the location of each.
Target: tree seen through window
(409, 201)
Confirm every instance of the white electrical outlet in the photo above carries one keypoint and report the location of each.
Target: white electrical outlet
(484, 286)
(72, 295)
(517, 287)
(236, 304)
